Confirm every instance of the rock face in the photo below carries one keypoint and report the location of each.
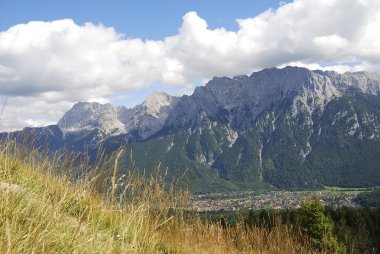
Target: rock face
(289, 128)
(88, 116)
(143, 120)
(238, 101)
(234, 101)
(149, 117)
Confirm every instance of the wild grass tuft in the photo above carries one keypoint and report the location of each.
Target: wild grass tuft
(108, 209)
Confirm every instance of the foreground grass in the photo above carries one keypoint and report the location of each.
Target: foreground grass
(45, 212)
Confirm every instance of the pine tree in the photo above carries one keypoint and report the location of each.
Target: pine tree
(318, 227)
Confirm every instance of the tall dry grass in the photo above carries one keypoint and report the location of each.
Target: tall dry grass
(109, 209)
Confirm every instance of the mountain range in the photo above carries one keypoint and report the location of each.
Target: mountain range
(289, 128)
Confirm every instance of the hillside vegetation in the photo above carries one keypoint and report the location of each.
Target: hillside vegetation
(45, 211)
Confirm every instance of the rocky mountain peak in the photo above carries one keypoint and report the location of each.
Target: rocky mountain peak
(235, 101)
(144, 119)
(156, 102)
(239, 100)
(91, 115)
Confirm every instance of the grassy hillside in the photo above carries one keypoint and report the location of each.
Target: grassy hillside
(43, 211)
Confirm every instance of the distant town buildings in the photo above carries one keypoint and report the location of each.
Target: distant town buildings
(273, 200)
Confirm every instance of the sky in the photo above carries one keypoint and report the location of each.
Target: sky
(56, 53)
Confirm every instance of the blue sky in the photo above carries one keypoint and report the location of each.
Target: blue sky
(139, 19)
(55, 53)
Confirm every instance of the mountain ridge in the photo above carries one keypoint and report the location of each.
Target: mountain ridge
(212, 95)
(288, 128)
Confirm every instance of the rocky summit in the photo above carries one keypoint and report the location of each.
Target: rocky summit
(284, 128)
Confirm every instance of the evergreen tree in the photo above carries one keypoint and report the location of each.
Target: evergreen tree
(318, 227)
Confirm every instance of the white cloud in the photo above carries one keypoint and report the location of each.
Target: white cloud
(37, 123)
(47, 66)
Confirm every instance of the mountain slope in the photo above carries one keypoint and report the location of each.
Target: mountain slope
(288, 128)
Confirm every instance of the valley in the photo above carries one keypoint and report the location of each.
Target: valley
(271, 200)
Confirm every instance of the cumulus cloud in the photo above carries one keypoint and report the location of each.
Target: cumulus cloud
(45, 67)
